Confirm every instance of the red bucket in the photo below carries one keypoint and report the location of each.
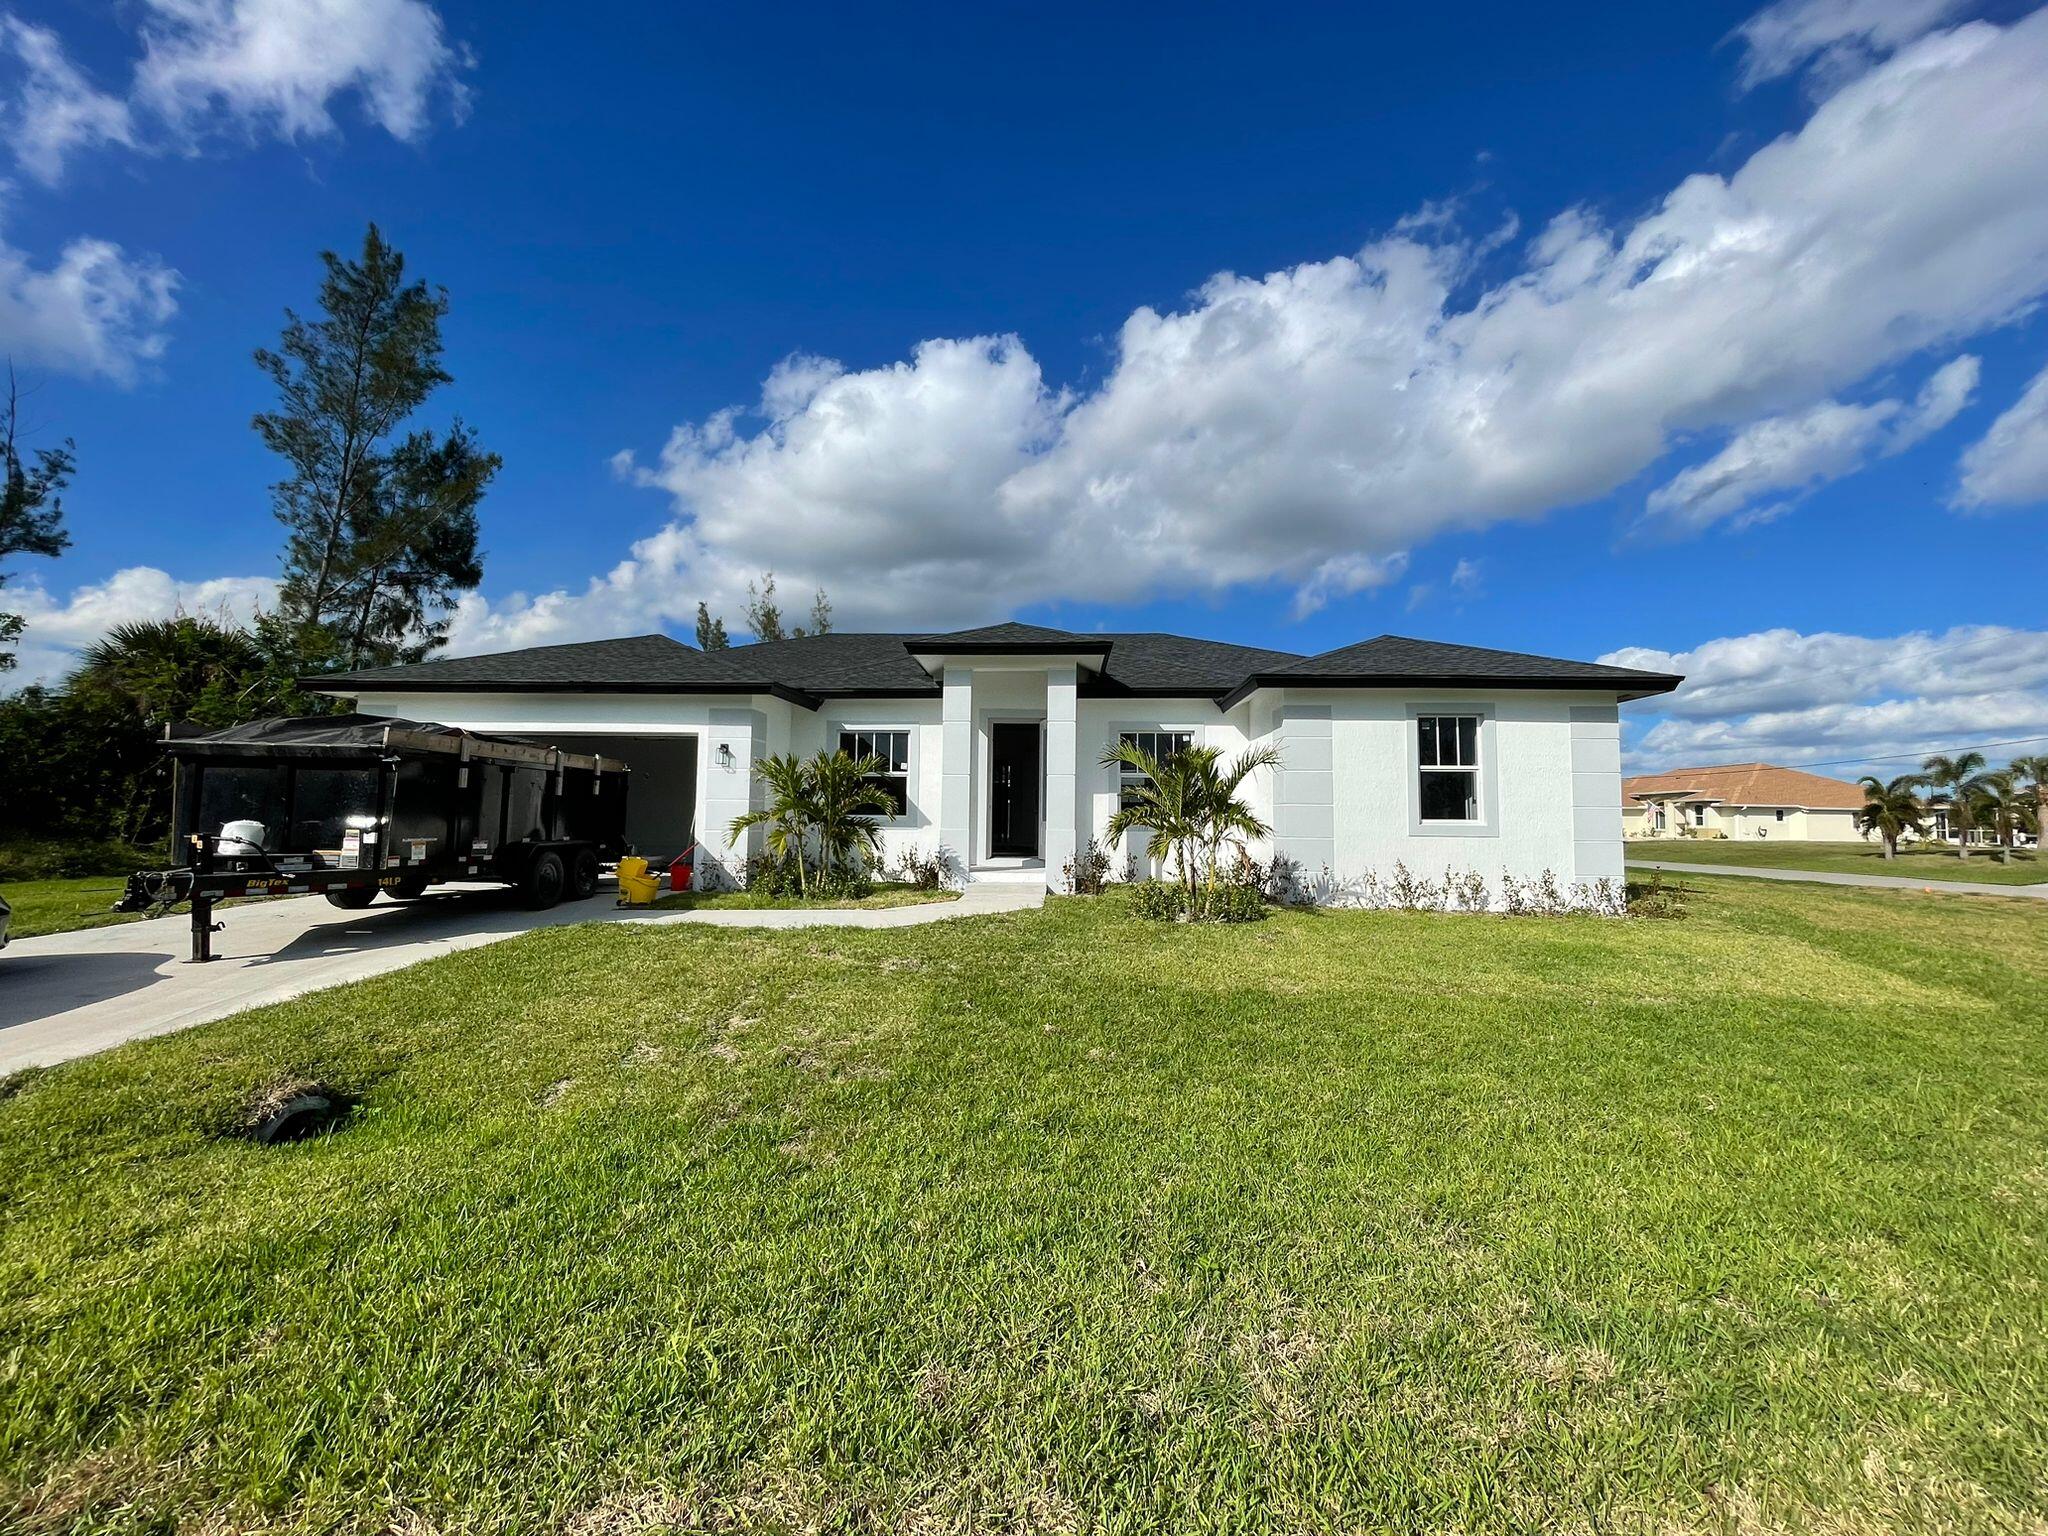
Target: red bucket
(684, 870)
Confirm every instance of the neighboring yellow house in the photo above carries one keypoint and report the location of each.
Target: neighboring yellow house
(1749, 801)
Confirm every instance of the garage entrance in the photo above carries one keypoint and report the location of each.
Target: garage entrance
(661, 809)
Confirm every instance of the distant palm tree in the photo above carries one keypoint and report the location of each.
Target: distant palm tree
(191, 667)
(1892, 809)
(845, 802)
(2034, 770)
(789, 815)
(1960, 777)
(2007, 809)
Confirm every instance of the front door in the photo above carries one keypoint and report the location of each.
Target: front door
(1013, 790)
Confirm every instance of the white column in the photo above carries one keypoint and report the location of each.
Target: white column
(1062, 689)
(956, 767)
(726, 769)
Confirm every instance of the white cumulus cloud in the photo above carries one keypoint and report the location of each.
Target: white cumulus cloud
(1793, 453)
(94, 311)
(281, 63)
(57, 628)
(1783, 696)
(1353, 408)
(1833, 38)
(57, 109)
(2009, 465)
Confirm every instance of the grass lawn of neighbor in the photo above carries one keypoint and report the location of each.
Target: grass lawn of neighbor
(1846, 859)
(1064, 1221)
(885, 894)
(57, 906)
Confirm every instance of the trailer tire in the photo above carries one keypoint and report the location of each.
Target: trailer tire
(545, 879)
(411, 888)
(352, 898)
(583, 872)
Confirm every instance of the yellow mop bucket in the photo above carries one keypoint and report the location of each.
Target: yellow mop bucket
(636, 886)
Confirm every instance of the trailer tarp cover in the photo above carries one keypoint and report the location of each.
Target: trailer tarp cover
(370, 736)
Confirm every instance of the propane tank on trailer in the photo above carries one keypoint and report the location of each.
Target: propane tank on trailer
(241, 839)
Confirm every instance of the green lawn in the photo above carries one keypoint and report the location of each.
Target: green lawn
(1846, 859)
(56, 906)
(1062, 1221)
(886, 894)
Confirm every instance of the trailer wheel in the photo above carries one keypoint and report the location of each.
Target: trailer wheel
(545, 879)
(352, 898)
(583, 875)
(411, 888)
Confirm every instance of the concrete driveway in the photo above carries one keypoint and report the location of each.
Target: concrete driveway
(71, 994)
(1824, 877)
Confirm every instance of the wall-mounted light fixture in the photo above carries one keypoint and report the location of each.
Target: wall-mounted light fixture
(725, 758)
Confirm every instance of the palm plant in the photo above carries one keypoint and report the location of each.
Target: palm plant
(1892, 809)
(789, 815)
(1190, 805)
(1167, 804)
(1960, 777)
(2007, 809)
(2034, 769)
(845, 804)
(1225, 820)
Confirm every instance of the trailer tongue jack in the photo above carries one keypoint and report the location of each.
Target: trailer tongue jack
(203, 930)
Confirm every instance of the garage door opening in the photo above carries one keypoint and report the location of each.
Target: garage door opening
(661, 809)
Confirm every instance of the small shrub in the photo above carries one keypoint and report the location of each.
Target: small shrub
(1411, 894)
(770, 876)
(1284, 882)
(1237, 903)
(1160, 901)
(849, 882)
(1652, 898)
(1514, 897)
(1086, 872)
(1547, 898)
(1467, 891)
(1128, 873)
(925, 871)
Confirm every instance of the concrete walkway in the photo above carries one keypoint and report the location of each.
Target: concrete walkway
(71, 994)
(1824, 877)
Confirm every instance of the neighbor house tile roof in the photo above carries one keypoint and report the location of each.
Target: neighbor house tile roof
(843, 665)
(1746, 784)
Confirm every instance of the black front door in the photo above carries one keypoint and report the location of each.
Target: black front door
(1013, 790)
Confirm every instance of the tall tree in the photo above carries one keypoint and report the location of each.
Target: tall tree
(2034, 770)
(1891, 809)
(383, 528)
(31, 504)
(764, 617)
(710, 632)
(1961, 778)
(764, 614)
(2007, 809)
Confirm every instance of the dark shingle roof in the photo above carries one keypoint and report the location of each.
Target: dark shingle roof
(1391, 660)
(1006, 637)
(884, 665)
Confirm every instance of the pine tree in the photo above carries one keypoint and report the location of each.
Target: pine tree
(31, 504)
(383, 527)
(764, 618)
(710, 631)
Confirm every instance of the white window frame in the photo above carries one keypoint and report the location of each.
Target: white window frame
(1699, 814)
(909, 774)
(1486, 771)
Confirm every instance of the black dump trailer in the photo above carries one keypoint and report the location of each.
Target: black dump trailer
(350, 805)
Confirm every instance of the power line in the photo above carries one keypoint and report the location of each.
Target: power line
(1894, 757)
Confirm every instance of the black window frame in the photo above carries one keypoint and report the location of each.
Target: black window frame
(1129, 779)
(894, 780)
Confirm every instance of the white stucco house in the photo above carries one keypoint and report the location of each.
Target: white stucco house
(1393, 750)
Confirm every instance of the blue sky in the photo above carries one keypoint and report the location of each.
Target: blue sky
(1702, 336)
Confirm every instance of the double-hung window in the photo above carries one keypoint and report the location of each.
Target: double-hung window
(1448, 760)
(1699, 815)
(892, 749)
(1162, 746)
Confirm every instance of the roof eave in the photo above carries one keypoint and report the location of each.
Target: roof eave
(1641, 685)
(356, 688)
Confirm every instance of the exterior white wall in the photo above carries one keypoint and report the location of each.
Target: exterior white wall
(1344, 797)
(1551, 807)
